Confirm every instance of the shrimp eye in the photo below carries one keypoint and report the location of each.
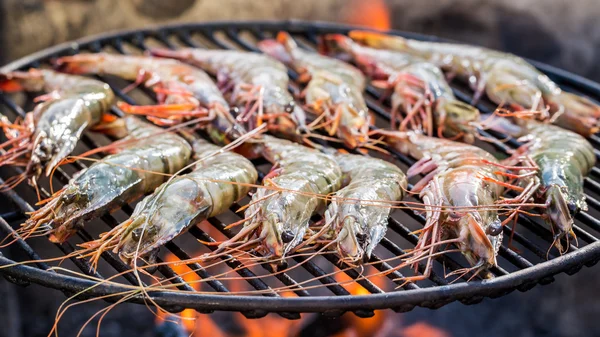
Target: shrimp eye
(290, 107)
(573, 207)
(454, 215)
(361, 237)
(136, 234)
(152, 230)
(45, 146)
(71, 194)
(287, 236)
(495, 228)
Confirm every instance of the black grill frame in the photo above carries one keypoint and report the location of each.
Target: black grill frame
(257, 306)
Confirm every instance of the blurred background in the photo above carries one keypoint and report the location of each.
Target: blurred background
(557, 32)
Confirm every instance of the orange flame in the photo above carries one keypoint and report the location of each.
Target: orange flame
(380, 324)
(422, 329)
(203, 325)
(383, 323)
(188, 316)
(370, 13)
(270, 325)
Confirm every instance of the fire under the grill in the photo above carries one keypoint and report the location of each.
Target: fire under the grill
(522, 264)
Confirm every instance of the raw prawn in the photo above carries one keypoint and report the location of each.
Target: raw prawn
(505, 78)
(136, 169)
(295, 190)
(50, 133)
(358, 213)
(257, 83)
(334, 89)
(420, 90)
(459, 180)
(219, 178)
(183, 91)
(563, 158)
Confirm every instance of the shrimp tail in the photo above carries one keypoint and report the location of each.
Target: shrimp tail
(31, 80)
(183, 55)
(334, 44)
(378, 40)
(79, 64)
(8, 84)
(164, 114)
(575, 113)
(280, 48)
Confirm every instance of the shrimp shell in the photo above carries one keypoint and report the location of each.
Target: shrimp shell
(215, 183)
(334, 89)
(359, 212)
(564, 158)
(256, 82)
(74, 104)
(457, 175)
(297, 186)
(183, 91)
(115, 180)
(420, 89)
(505, 78)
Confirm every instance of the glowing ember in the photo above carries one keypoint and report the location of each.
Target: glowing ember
(188, 316)
(372, 13)
(422, 329)
(203, 325)
(378, 325)
(383, 324)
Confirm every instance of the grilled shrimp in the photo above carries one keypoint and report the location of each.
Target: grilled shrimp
(505, 78)
(334, 89)
(218, 179)
(257, 83)
(359, 212)
(51, 131)
(459, 179)
(420, 91)
(183, 91)
(563, 158)
(119, 178)
(280, 214)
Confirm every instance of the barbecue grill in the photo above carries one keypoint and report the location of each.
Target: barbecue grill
(518, 269)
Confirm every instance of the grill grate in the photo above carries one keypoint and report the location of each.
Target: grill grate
(520, 270)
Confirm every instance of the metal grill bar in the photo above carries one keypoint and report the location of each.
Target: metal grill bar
(231, 33)
(507, 253)
(255, 282)
(185, 38)
(225, 35)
